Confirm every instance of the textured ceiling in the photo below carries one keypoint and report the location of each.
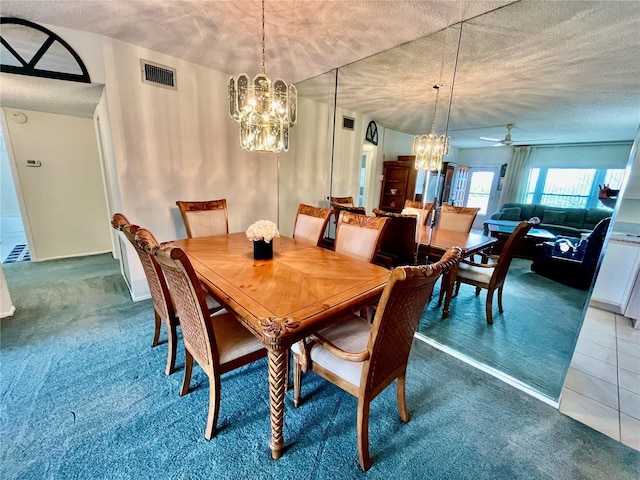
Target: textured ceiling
(568, 71)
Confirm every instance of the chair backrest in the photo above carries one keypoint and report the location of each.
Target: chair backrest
(339, 208)
(359, 235)
(189, 298)
(592, 245)
(509, 250)
(396, 320)
(459, 219)
(423, 212)
(160, 296)
(204, 218)
(311, 223)
(343, 201)
(398, 240)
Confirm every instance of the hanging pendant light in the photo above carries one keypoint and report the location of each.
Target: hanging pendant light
(431, 149)
(264, 110)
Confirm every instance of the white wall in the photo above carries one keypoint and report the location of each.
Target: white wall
(397, 143)
(64, 198)
(179, 145)
(484, 157)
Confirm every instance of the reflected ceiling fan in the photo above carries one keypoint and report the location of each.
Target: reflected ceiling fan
(507, 140)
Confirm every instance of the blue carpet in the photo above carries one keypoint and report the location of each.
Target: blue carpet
(84, 396)
(532, 341)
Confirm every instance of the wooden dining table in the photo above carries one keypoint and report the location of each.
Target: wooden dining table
(303, 289)
(435, 242)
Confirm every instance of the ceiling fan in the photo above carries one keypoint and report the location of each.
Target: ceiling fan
(507, 138)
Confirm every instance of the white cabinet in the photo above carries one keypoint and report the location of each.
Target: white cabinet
(617, 276)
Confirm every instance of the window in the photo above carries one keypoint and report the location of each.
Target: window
(571, 187)
(480, 190)
(363, 176)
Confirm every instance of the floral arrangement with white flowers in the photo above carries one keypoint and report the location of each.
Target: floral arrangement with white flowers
(263, 230)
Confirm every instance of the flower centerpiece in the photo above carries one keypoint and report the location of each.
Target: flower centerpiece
(261, 233)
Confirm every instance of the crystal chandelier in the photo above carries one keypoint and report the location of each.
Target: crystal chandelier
(264, 110)
(431, 149)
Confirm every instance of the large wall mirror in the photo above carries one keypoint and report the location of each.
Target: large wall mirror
(511, 66)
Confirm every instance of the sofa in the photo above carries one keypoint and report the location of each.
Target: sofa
(570, 222)
(571, 261)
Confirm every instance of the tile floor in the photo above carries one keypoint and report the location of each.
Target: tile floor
(8, 241)
(602, 388)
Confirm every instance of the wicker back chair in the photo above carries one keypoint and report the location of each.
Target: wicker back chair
(398, 242)
(359, 235)
(459, 219)
(311, 222)
(363, 358)
(422, 211)
(162, 302)
(342, 201)
(204, 218)
(492, 272)
(218, 342)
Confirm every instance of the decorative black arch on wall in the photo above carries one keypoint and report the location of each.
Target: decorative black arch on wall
(29, 67)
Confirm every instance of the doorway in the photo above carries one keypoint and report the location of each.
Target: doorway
(482, 192)
(13, 239)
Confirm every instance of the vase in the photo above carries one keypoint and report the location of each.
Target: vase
(262, 250)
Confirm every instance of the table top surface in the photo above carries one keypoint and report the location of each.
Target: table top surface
(441, 240)
(297, 292)
(534, 232)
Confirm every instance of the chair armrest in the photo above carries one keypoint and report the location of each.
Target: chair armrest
(338, 352)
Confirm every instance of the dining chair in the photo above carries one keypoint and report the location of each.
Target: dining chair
(163, 304)
(218, 342)
(398, 242)
(364, 358)
(492, 272)
(342, 201)
(160, 297)
(422, 211)
(459, 219)
(204, 218)
(311, 223)
(359, 235)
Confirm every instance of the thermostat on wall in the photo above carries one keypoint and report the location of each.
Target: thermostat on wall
(34, 163)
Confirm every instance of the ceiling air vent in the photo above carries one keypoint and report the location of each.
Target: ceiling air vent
(158, 75)
(348, 123)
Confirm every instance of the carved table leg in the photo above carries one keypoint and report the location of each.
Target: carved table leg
(450, 281)
(277, 386)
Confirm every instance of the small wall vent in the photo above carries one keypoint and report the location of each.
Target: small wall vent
(158, 75)
(348, 123)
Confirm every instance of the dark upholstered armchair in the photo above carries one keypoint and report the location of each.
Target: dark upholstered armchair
(569, 260)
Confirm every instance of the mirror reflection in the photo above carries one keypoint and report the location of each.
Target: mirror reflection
(517, 98)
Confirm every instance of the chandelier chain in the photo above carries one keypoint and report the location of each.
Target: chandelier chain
(263, 42)
(435, 107)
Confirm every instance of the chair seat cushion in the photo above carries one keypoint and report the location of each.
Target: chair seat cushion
(350, 334)
(475, 274)
(233, 339)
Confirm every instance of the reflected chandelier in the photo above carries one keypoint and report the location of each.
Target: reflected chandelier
(264, 110)
(431, 149)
